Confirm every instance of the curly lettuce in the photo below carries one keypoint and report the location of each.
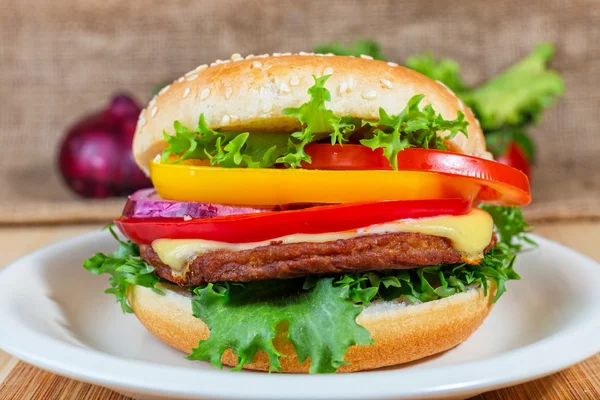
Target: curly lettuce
(125, 267)
(412, 127)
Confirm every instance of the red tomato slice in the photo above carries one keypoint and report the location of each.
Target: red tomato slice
(247, 228)
(501, 184)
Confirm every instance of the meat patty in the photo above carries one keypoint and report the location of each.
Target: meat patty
(386, 251)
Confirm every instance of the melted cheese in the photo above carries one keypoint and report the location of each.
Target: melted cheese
(470, 234)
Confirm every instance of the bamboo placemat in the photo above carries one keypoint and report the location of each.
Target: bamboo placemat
(581, 382)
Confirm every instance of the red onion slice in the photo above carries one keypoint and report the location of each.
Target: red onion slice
(146, 203)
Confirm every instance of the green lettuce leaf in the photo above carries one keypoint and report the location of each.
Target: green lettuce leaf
(320, 322)
(511, 227)
(317, 122)
(318, 312)
(412, 127)
(518, 95)
(229, 150)
(125, 268)
(444, 70)
(356, 49)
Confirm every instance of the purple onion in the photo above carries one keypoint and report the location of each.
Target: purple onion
(95, 157)
(146, 203)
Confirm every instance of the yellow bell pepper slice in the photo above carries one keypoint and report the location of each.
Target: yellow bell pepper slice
(257, 186)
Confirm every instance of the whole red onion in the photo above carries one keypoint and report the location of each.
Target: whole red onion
(95, 156)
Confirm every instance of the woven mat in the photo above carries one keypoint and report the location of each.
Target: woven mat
(59, 60)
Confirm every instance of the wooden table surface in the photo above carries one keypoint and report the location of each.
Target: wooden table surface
(21, 381)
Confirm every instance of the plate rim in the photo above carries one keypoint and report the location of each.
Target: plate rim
(106, 370)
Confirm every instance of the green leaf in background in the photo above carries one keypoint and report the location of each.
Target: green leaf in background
(518, 95)
(125, 268)
(444, 70)
(320, 323)
(498, 141)
(412, 127)
(366, 47)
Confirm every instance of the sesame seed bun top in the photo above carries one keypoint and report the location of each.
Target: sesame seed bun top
(248, 94)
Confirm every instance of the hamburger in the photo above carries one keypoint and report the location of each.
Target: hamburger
(313, 213)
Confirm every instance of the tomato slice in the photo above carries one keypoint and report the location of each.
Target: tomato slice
(247, 228)
(501, 184)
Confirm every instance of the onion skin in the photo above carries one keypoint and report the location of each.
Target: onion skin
(95, 158)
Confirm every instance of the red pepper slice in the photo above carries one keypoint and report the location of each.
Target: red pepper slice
(259, 227)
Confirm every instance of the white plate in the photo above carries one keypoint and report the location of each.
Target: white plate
(55, 315)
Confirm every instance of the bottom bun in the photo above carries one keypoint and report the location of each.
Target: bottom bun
(402, 332)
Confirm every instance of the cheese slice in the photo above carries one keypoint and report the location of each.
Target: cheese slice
(470, 234)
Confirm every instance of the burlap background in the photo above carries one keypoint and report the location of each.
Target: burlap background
(61, 59)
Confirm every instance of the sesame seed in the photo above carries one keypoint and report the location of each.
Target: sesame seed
(369, 94)
(186, 92)
(249, 56)
(163, 90)
(263, 56)
(318, 54)
(141, 120)
(328, 71)
(276, 54)
(286, 54)
(294, 80)
(154, 111)
(181, 79)
(228, 92)
(213, 64)
(234, 118)
(225, 120)
(266, 67)
(386, 83)
(392, 64)
(201, 67)
(236, 57)
(219, 61)
(192, 77)
(283, 88)
(204, 94)
(329, 54)
(152, 102)
(257, 64)
(351, 84)
(343, 87)
(366, 57)
(267, 107)
(303, 53)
